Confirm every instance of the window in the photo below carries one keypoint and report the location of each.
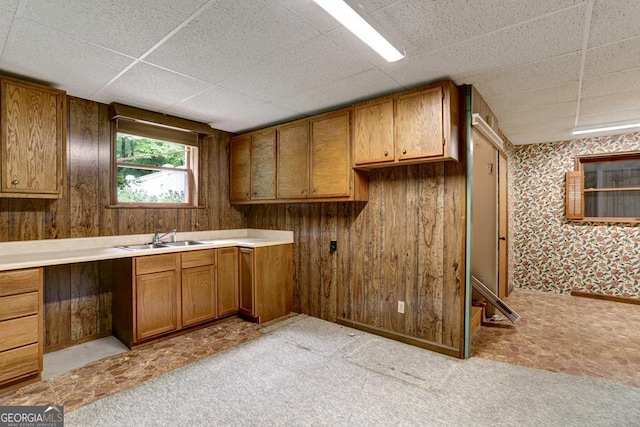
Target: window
(605, 188)
(154, 165)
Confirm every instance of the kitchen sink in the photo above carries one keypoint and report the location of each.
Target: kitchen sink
(181, 243)
(161, 245)
(143, 246)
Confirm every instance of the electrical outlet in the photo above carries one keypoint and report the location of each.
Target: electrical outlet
(401, 307)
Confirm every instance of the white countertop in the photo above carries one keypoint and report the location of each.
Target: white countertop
(40, 253)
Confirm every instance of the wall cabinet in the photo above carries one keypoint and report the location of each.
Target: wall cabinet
(416, 126)
(312, 162)
(266, 282)
(21, 329)
(253, 166)
(32, 140)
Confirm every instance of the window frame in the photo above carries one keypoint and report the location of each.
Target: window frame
(575, 190)
(159, 130)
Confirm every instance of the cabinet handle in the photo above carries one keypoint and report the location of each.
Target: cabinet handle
(404, 151)
(15, 182)
(386, 153)
(303, 191)
(255, 193)
(315, 189)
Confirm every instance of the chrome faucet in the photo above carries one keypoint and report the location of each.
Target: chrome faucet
(157, 238)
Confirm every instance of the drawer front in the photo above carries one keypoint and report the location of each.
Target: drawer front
(18, 362)
(18, 305)
(198, 258)
(19, 281)
(18, 332)
(157, 263)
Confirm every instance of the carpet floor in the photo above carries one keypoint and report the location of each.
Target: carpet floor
(306, 371)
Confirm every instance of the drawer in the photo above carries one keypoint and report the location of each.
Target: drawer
(18, 332)
(157, 263)
(20, 281)
(19, 362)
(198, 258)
(18, 305)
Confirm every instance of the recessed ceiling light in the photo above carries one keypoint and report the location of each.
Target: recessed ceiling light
(355, 23)
(606, 128)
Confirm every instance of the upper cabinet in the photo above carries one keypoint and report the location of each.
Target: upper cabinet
(32, 140)
(253, 166)
(306, 160)
(416, 126)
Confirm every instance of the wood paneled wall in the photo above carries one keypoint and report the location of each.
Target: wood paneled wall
(405, 244)
(78, 297)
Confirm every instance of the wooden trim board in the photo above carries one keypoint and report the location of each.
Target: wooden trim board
(614, 298)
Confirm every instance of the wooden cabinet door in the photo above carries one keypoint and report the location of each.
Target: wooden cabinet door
(227, 278)
(32, 146)
(240, 168)
(373, 132)
(156, 304)
(330, 159)
(247, 283)
(419, 124)
(263, 165)
(198, 294)
(293, 161)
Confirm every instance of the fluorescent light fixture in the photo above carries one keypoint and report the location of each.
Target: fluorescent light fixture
(361, 28)
(606, 128)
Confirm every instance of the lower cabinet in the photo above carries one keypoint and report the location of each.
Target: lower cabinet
(227, 281)
(157, 295)
(21, 339)
(198, 287)
(266, 282)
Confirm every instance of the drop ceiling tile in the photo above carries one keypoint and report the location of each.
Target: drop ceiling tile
(130, 27)
(542, 74)
(614, 20)
(632, 114)
(262, 116)
(76, 66)
(425, 26)
(547, 114)
(533, 99)
(608, 84)
(311, 13)
(612, 58)
(314, 64)
(7, 12)
(546, 38)
(542, 135)
(150, 87)
(366, 85)
(215, 103)
(232, 36)
(609, 103)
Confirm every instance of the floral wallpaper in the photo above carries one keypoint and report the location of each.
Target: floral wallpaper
(550, 253)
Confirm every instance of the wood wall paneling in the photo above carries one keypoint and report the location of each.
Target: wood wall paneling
(77, 302)
(405, 244)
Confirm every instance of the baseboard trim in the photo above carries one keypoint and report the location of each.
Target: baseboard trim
(439, 348)
(624, 300)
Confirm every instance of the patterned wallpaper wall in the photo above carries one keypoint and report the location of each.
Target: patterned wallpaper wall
(549, 253)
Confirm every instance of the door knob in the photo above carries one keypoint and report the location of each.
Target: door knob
(386, 153)
(404, 151)
(15, 182)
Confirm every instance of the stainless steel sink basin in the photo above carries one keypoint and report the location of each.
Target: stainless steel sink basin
(161, 245)
(182, 243)
(143, 246)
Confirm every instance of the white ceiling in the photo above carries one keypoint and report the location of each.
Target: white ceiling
(544, 66)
